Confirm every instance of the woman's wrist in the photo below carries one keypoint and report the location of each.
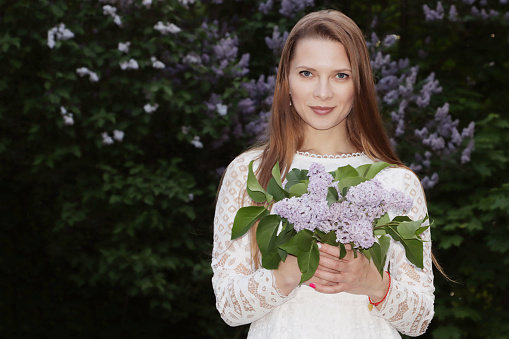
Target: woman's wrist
(382, 289)
(287, 275)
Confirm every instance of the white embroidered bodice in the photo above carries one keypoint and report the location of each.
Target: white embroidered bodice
(248, 295)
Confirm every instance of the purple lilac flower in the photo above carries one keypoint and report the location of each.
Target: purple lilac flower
(266, 7)
(352, 218)
(468, 132)
(277, 41)
(390, 40)
(494, 13)
(291, 7)
(453, 13)
(484, 14)
(465, 156)
(428, 182)
(432, 15)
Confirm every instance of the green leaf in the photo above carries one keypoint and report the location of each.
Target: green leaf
(271, 259)
(245, 218)
(407, 229)
(376, 256)
(385, 243)
(300, 242)
(298, 190)
(266, 232)
(286, 234)
(414, 251)
(344, 172)
(363, 169)
(421, 230)
(383, 220)
(276, 174)
(327, 238)
(295, 176)
(332, 196)
(308, 262)
(342, 250)
(375, 168)
(254, 189)
(276, 191)
(349, 182)
(282, 253)
(401, 218)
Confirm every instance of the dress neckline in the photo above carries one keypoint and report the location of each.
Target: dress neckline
(331, 156)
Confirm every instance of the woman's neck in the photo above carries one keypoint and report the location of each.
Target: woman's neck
(330, 142)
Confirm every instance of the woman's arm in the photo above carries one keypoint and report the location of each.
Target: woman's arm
(243, 294)
(408, 305)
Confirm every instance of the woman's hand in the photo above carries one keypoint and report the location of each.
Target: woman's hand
(353, 275)
(288, 276)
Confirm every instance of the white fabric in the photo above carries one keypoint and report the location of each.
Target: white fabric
(246, 295)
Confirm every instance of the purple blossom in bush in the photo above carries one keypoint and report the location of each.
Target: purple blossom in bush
(468, 132)
(469, 2)
(266, 7)
(494, 13)
(484, 14)
(290, 7)
(246, 106)
(226, 49)
(390, 40)
(465, 155)
(277, 41)
(431, 86)
(432, 15)
(434, 141)
(428, 183)
(453, 13)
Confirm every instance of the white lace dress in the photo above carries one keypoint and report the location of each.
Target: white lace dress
(248, 295)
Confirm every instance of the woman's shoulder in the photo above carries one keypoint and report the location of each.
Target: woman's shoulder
(242, 161)
(400, 177)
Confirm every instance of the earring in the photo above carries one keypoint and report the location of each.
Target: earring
(290, 99)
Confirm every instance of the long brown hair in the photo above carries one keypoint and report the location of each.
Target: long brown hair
(364, 124)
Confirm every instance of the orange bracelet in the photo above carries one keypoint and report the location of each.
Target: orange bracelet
(385, 296)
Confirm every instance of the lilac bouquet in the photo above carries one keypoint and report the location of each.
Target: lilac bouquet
(347, 206)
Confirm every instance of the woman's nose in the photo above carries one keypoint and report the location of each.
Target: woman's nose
(323, 90)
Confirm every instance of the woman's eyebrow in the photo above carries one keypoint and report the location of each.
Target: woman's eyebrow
(313, 69)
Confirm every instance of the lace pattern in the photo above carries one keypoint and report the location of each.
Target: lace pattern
(409, 304)
(245, 295)
(242, 294)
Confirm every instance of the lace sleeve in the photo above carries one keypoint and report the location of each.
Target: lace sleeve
(409, 303)
(243, 294)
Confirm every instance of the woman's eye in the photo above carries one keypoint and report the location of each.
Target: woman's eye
(306, 73)
(342, 75)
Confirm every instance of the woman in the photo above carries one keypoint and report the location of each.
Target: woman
(325, 111)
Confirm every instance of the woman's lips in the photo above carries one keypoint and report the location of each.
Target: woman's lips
(321, 110)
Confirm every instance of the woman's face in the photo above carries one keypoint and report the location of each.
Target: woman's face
(321, 84)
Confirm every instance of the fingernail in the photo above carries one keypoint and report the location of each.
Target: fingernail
(319, 245)
(312, 285)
